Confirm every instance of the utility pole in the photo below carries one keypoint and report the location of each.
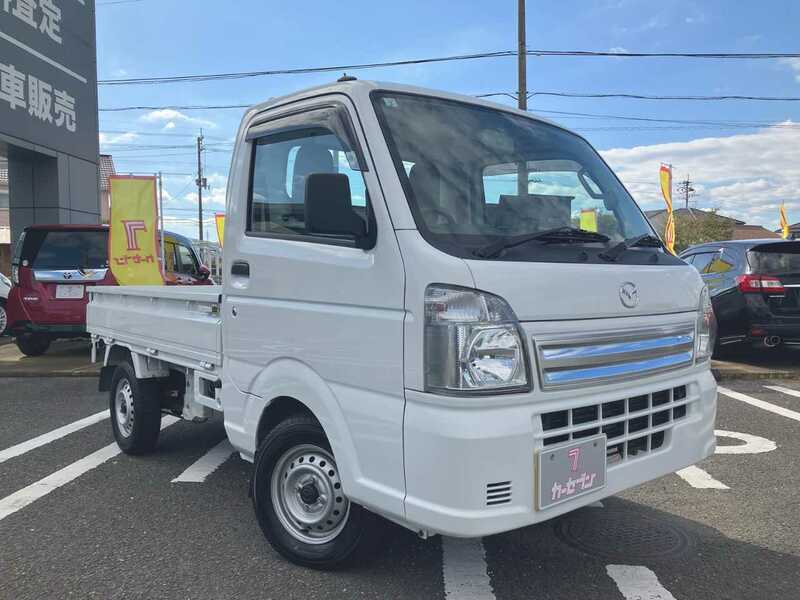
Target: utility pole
(686, 190)
(202, 183)
(522, 56)
(522, 92)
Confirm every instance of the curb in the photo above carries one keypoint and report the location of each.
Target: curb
(734, 374)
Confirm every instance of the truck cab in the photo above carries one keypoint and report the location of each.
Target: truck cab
(453, 305)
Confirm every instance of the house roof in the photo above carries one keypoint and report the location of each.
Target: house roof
(752, 232)
(690, 211)
(106, 165)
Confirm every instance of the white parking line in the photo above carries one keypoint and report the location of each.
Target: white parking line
(753, 444)
(783, 390)
(638, 583)
(51, 436)
(22, 498)
(206, 464)
(698, 478)
(773, 408)
(464, 570)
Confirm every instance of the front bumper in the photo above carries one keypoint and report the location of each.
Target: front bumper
(454, 452)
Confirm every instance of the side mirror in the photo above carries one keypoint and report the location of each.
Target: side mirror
(203, 273)
(329, 208)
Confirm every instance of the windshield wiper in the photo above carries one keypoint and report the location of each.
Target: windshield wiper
(559, 234)
(647, 239)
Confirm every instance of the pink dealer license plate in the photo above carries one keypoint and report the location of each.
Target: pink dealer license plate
(570, 471)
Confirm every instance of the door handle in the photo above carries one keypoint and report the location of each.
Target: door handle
(240, 268)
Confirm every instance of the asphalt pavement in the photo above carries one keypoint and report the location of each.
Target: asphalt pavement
(80, 520)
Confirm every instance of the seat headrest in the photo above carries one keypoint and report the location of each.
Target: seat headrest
(309, 159)
(425, 181)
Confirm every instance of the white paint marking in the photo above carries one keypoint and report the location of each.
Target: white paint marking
(41, 57)
(698, 478)
(206, 464)
(597, 504)
(773, 408)
(752, 443)
(638, 583)
(22, 498)
(464, 570)
(783, 390)
(51, 436)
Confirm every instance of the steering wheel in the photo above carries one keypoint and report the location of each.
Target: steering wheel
(430, 211)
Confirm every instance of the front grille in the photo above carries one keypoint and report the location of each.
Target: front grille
(582, 360)
(633, 426)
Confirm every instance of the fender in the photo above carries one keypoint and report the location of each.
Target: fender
(292, 378)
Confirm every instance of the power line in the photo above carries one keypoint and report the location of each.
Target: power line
(655, 97)
(438, 59)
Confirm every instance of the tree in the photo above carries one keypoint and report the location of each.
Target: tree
(699, 227)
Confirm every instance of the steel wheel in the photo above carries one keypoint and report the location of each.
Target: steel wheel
(3, 318)
(307, 495)
(123, 407)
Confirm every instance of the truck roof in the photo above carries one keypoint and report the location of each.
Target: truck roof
(358, 87)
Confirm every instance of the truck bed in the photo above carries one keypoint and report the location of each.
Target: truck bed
(179, 324)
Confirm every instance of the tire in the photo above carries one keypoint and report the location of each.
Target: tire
(3, 317)
(295, 453)
(33, 344)
(136, 434)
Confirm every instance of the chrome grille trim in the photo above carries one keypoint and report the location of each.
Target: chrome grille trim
(70, 275)
(575, 361)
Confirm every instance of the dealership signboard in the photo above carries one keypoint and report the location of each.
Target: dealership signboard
(48, 75)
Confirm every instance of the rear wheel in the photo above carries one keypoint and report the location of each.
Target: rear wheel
(299, 500)
(3, 317)
(33, 344)
(135, 406)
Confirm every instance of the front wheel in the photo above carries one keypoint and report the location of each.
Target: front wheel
(33, 344)
(135, 406)
(3, 317)
(299, 500)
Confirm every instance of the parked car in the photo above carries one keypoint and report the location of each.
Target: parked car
(52, 267)
(755, 290)
(405, 330)
(5, 286)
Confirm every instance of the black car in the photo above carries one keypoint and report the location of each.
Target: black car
(755, 289)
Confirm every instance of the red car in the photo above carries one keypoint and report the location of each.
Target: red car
(51, 268)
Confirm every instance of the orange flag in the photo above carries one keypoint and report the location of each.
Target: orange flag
(665, 176)
(784, 223)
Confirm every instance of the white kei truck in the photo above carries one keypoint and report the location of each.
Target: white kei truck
(436, 309)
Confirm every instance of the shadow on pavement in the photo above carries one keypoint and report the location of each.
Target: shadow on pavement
(65, 358)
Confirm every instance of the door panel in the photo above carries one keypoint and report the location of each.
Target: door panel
(326, 305)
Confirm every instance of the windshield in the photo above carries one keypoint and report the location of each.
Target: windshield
(776, 259)
(65, 249)
(476, 176)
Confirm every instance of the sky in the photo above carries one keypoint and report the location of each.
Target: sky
(744, 160)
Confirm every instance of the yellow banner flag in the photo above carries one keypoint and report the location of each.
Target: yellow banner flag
(665, 176)
(589, 219)
(784, 223)
(133, 249)
(219, 218)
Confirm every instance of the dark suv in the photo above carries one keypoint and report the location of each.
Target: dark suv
(754, 287)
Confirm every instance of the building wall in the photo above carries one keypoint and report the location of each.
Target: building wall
(48, 113)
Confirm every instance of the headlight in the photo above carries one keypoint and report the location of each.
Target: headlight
(706, 335)
(472, 342)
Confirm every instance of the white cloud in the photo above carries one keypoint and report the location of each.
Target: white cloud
(117, 138)
(171, 116)
(618, 50)
(214, 197)
(794, 65)
(170, 125)
(746, 176)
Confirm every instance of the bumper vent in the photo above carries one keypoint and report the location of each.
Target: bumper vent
(633, 426)
(498, 493)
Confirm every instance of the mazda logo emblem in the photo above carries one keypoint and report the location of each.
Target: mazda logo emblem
(629, 295)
